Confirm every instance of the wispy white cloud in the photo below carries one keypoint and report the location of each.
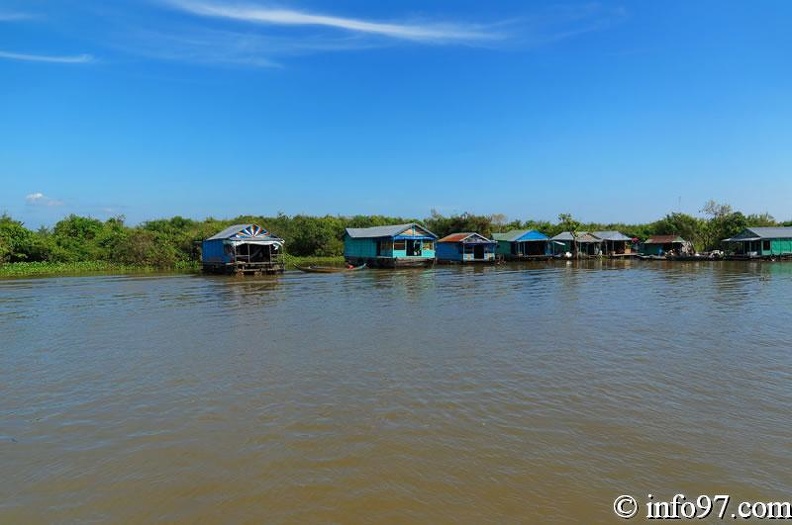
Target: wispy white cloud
(261, 34)
(62, 59)
(419, 32)
(39, 199)
(203, 46)
(566, 22)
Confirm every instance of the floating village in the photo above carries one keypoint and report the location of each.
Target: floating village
(251, 249)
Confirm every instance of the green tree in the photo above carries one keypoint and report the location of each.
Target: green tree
(686, 226)
(760, 220)
(316, 236)
(15, 240)
(542, 226)
(146, 248)
(75, 238)
(723, 223)
(467, 222)
(498, 222)
(178, 235)
(567, 223)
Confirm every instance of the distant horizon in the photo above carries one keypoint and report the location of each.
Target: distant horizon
(508, 219)
(613, 112)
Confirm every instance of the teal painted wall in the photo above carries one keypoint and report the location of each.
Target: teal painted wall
(778, 247)
(504, 248)
(553, 248)
(368, 248)
(761, 248)
(425, 254)
(653, 249)
(359, 247)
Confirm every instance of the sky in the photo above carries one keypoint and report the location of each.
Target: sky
(609, 111)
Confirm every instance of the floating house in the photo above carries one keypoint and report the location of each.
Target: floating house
(390, 246)
(243, 249)
(762, 243)
(576, 245)
(522, 244)
(614, 244)
(466, 248)
(665, 244)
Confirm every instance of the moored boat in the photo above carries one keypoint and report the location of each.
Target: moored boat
(330, 269)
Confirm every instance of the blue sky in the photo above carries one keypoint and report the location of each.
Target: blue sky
(610, 111)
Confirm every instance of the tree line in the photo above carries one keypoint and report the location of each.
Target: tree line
(168, 243)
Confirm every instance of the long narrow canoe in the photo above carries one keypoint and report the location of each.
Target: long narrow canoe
(329, 269)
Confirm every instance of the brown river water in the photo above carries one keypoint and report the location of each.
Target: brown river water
(510, 394)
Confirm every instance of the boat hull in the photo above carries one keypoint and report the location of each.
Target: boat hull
(329, 269)
(394, 262)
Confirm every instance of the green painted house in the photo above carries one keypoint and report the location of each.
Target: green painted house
(522, 244)
(762, 243)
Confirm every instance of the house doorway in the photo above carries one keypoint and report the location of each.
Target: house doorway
(413, 248)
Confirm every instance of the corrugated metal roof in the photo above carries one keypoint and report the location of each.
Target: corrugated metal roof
(243, 231)
(385, 231)
(664, 239)
(581, 237)
(520, 235)
(731, 239)
(456, 237)
(755, 233)
(611, 236)
(466, 236)
(563, 236)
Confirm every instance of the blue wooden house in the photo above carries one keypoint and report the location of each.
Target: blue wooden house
(466, 248)
(522, 244)
(390, 246)
(242, 249)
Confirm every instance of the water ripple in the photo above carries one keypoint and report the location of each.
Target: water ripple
(510, 394)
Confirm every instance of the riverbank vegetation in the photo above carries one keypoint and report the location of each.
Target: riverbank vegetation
(79, 244)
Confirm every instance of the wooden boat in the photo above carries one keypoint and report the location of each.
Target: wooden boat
(329, 269)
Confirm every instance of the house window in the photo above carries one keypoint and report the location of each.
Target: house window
(428, 245)
(399, 246)
(766, 246)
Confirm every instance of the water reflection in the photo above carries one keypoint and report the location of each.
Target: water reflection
(501, 394)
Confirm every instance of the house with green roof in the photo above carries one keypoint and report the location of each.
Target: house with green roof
(522, 244)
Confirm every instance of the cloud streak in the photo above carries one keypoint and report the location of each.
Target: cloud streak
(68, 59)
(39, 199)
(426, 33)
